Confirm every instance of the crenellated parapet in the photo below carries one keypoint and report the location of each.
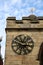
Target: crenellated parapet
(31, 21)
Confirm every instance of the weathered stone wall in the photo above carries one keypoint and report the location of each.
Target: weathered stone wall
(26, 24)
(11, 58)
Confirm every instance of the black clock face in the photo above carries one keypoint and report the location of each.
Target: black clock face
(22, 44)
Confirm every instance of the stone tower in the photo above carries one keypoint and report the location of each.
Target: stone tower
(23, 40)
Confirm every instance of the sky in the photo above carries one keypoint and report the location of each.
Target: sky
(18, 9)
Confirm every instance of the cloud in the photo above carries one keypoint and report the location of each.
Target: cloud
(20, 6)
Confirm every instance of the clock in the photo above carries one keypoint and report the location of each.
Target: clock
(22, 44)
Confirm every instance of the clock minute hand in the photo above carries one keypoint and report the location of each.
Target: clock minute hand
(18, 42)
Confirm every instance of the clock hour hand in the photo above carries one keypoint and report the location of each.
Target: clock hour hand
(18, 42)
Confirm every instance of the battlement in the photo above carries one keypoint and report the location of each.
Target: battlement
(31, 21)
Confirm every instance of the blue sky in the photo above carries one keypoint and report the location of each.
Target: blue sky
(17, 8)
